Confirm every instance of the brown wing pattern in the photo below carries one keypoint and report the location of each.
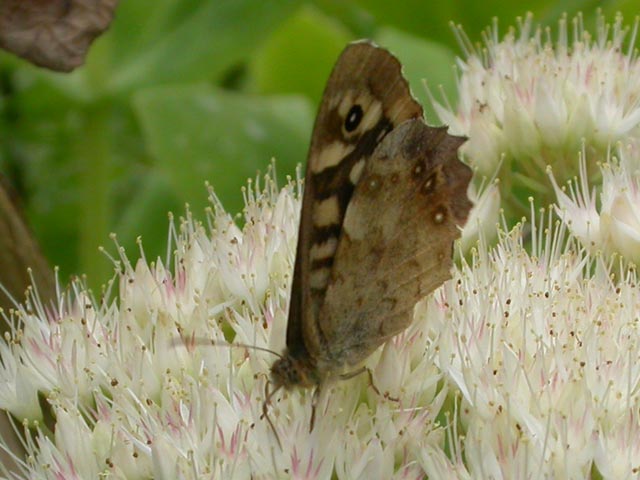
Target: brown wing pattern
(396, 242)
(365, 98)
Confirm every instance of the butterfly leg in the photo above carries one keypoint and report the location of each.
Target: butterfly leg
(314, 406)
(375, 389)
(355, 373)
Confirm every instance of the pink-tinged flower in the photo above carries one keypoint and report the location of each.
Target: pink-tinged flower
(484, 215)
(618, 451)
(543, 348)
(528, 101)
(612, 224)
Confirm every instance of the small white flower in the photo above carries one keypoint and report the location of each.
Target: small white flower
(619, 449)
(18, 384)
(620, 214)
(614, 226)
(437, 464)
(484, 215)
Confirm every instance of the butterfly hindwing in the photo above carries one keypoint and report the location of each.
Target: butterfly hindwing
(396, 241)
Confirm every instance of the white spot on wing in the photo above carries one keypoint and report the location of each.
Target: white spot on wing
(356, 171)
(329, 156)
(326, 212)
(323, 250)
(372, 115)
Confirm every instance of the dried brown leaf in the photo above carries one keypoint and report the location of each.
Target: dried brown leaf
(54, 34)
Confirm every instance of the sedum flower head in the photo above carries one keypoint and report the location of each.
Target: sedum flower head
(523, 365)
(531, 100)
(125, 388)
(542, 346)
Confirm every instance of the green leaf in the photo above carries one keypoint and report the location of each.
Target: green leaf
(298, 57)
(422, 61)
(198, 134)
(426, 19)
(355, 18)
(141, 24)
(208, 41)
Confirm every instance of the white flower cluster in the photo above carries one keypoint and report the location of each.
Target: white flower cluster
(135, 394)
(522, 366)
(528, 104)
(534, 100)
(544, 349)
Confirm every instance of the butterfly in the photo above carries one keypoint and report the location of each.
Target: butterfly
(384, 197)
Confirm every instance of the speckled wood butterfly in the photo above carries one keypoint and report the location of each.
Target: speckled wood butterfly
(384, 197)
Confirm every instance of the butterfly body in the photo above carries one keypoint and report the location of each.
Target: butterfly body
(384, 196)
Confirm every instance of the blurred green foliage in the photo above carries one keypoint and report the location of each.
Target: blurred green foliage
(179, 92)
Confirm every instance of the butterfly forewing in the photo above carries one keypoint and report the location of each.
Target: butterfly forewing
(366, 97)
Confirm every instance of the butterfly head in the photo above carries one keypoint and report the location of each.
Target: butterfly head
(290, 372)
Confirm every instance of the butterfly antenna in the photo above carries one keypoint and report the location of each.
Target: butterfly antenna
(193, 341)
(314, 405)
